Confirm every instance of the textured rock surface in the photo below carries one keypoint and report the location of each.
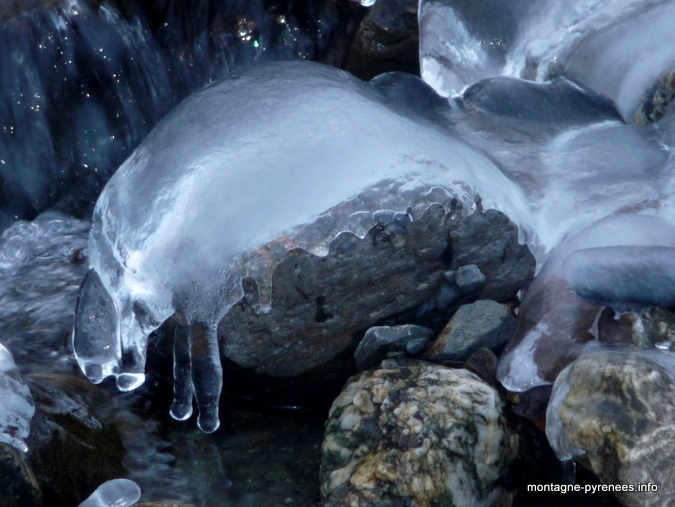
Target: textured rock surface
(382, 340)
(653, 327)
(19, 485)
(415, 433)
(386, 41)
(484, 323)
(320, 305)
(70, 450)
(617, 407)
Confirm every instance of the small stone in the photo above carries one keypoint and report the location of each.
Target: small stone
(483, 363)
(484, 323)
(379, 341)
(469, 278)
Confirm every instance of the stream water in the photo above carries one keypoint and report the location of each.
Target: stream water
(82, 83)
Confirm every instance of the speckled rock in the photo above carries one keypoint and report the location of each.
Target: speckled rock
(415, 433)
(484, 323)
(616, 408)
(650, 328)
(654, 103)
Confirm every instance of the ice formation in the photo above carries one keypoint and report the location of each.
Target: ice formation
(16, 403)
(252, 158)
(614, 47)
(114, 493)
(267, 155)
(555, 323)
(626, 277)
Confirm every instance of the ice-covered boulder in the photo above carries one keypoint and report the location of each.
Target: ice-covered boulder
(250, 159)
(614, 48)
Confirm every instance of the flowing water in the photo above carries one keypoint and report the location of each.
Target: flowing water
(82, 83)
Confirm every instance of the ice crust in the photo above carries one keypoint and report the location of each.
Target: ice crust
(618, 236)
(114, 493)
(16, 403)
(266, 161)
(255, 157)
(614, 47)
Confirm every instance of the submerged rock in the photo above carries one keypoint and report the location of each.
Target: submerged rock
(614, 409)
(20, 487)
(72, 448)
(420, 434)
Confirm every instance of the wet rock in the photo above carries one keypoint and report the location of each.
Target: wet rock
(484, 323)
(415, 433)
(483, 363)
(616, 407)
(382, 340)
(613, 276)
(650, 328)
(470, 278)
(71, 449)
(320, 305)
(386, 41)
(19, 484)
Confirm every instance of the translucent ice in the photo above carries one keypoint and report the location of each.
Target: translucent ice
(554, 322)
(625, 277)
(462, 42)
(259, 156)
(16, 403)
(614, 47)
(114, 493)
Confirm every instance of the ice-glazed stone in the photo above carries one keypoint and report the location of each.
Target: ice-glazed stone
(114, 493)
(614, 408)
(623, 277)
(251, 158)
(555, 322)
(612, 47)
(16, 403)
